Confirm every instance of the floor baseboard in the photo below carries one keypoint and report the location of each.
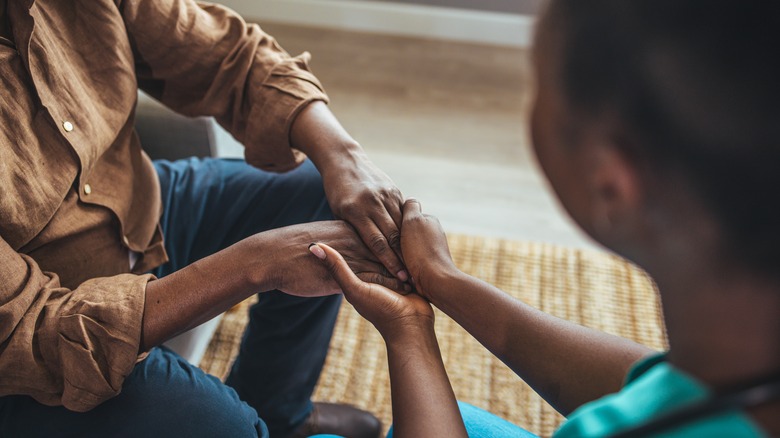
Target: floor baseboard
(395, 18)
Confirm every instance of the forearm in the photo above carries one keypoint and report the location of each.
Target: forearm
(423, 401)
(317, 133)
(357, 191)
(201, 291)
(567, 364)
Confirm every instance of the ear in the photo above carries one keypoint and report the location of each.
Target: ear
(616, 190)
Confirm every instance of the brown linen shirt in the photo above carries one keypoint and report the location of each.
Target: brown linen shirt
(78, 192)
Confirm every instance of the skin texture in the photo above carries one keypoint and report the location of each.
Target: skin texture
(357, 191)
(549, 356)
(414, 359)
(271, 260)
(721, 315)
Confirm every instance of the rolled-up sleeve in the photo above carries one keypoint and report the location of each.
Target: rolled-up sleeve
(66, 347)
(203, 59)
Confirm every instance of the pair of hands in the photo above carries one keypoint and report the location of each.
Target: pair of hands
(364, 197)
(425, 250)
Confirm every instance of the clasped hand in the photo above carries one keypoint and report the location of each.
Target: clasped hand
(426, 254)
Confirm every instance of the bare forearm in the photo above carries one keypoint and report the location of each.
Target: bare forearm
(357, 191)
(567, 364)
(199, 292)
(317, 133)
(423, 401)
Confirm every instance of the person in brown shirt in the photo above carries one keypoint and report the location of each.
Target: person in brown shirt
(85, 291)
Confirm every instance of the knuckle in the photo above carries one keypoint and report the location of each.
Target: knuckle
(390, 193)
(370, 277)
(378, 243)
(365, 197)
(414, 219)
(394, 239)
(393, 284)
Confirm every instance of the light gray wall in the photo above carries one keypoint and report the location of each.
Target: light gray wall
(509, 6)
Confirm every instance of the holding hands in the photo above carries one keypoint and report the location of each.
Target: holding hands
(423, 401)
(426, 253)
(358, 192)
(424, 248)
(295, 272)
(394, 315)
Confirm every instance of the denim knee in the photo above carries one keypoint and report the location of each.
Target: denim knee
(211, 415)
(163, 396)
(170, 397)
(305, 186)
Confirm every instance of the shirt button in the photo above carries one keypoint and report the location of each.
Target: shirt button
(87, 189)
(67, 126)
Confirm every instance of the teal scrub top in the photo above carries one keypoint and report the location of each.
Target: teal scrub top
(654, 387)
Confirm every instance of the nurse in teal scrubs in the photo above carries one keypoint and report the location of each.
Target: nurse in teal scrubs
(657, 123)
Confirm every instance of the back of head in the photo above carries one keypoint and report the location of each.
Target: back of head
(697, 83)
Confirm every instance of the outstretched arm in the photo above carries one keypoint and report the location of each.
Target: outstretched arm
(566, 363)
(274, 259)
(423, 401)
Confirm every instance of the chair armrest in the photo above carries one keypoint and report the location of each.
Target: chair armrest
(167, 135)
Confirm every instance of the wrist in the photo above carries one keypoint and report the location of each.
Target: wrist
(317, 133)
(438, 284)
(408, 334)
(338, 158)
(252, 262)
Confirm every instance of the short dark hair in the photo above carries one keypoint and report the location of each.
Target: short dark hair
(698, 83)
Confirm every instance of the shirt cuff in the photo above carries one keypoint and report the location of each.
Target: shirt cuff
(288, 89)
(99, 337)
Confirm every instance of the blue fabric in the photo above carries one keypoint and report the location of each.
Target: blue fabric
(482, 424)
(163, 396)
(210, 204)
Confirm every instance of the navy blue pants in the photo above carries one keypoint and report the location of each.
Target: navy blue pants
(209, 205)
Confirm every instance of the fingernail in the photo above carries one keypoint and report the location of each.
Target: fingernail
(402, 275)
(317, 251)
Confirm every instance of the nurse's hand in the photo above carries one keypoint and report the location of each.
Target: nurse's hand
(425, 249)
(394, 315)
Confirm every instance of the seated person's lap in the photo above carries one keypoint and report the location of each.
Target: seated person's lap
(163, 396)
(209, 204)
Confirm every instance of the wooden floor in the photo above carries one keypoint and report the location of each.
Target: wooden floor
(447, 121)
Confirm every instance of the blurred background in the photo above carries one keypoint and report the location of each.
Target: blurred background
(438, 93)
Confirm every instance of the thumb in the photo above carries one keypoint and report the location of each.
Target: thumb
(412, 208)
(337, 266)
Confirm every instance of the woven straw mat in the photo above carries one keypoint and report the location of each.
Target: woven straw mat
(587, 287)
